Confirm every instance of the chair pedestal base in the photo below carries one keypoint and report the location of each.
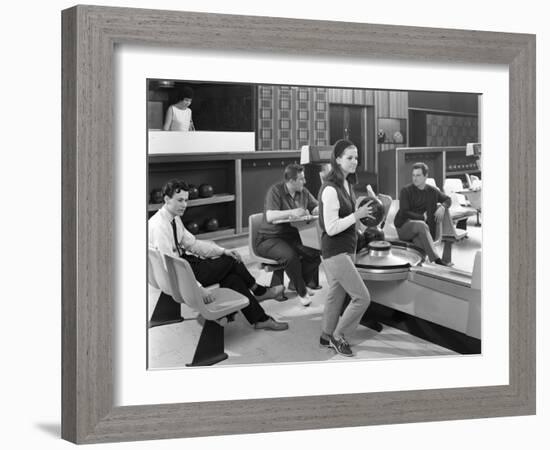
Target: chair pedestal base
(273, 277)
(462, 224)
(167, 311)
(447, 250)
(210, 348)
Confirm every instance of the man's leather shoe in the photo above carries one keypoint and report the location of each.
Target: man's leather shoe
(314, 286)
(274, 292)
(271, 324)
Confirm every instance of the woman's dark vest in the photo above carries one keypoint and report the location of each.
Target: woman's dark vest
(345, 241)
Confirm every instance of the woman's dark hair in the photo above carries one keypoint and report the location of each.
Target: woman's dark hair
(336, 175)
(173, 187)
(187, 92)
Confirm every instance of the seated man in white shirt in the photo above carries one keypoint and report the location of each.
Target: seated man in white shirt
(210, 263)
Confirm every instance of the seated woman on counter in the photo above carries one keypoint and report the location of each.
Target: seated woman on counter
(179, 115)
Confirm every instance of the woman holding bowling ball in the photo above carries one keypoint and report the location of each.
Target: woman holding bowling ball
(338, 219)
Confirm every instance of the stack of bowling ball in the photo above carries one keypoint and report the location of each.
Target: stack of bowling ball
(373, 232)
(156, 196)
(205, 190)
(210, 223)
(193, 192)
(192, 227)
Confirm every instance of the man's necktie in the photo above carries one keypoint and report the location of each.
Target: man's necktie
(178, 246)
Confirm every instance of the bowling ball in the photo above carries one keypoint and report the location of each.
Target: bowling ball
(193, 192)
(205, 190)
(156, 196)
(192, 227)
(372, 234)
(211, 224)
(378, 211)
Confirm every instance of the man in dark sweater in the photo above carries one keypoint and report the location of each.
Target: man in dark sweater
(421, 206)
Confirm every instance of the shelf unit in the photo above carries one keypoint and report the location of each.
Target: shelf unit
(462, 172)
(218, 198)
(390, 126)
(242, 180)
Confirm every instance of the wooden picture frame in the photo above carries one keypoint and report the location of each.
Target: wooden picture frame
(90, 34)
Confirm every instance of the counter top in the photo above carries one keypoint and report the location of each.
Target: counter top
(187, 157)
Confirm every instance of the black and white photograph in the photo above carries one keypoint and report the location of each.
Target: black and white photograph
(265, 225)
(303, 224)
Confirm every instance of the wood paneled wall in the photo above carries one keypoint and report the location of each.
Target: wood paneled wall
(351, 96)
(290, 116)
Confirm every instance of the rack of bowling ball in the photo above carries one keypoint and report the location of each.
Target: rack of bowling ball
(198, 196)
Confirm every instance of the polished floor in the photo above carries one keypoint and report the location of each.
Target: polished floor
(172, 346)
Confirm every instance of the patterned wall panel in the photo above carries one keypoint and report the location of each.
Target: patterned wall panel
(266, 117)
(320, 123)
(446, 130)
(351, 96)
(289, 117)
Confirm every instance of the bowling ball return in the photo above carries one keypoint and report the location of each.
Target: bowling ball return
(435, 303)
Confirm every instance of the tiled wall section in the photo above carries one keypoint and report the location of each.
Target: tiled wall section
(289, 117)
(446, 130)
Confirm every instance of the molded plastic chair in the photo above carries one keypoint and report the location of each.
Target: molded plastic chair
(386, 201)
(185, 289)
(390, 232)
(450, 235)
(166, 311)
(460, 207)
(431, 182)
(454, 186)
(474, 196)
(269, 265)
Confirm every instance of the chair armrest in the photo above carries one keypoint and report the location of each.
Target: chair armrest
(226, 301)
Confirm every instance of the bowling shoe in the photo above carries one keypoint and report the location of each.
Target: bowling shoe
(341, 346)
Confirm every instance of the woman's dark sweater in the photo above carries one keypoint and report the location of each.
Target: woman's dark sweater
(345, 241)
